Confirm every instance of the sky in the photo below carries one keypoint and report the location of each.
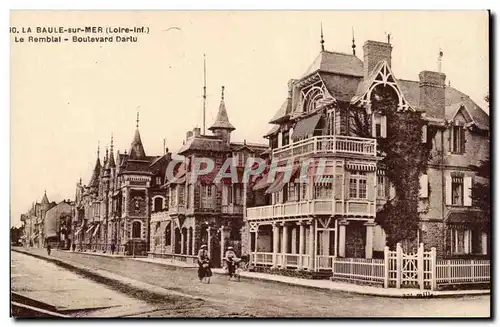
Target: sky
(65, 98)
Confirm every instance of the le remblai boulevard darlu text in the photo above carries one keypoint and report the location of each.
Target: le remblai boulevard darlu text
(80, 34)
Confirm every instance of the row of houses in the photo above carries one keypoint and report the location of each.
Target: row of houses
(129, 205)
(48, 222)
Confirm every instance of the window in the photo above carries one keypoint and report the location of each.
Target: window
(292, 194)
(457, 139)
(158, 204)
(188, 196)
(285, 138)
(357, 185)
(273, 142)
(457, 192)
(323, 187)
(377, 129)
(461, 241)
(158, 180)
(181, 195)
(331, 122)
(207, 196)
(172, 195)
(136, 229)
(381, 186)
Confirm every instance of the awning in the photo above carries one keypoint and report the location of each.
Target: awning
(305, 128)
(280, 182)
(261, 182)
(96, 230)
(359, 166)
(465, 220)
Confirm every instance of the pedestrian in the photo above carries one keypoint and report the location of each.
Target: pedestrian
(204, 271)
(230, 261)
(113, 248)
(48, 248)
(73, 247)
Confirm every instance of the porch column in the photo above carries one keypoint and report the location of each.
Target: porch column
(224, 232)
(342, 227)
(301, 243)
(293, 235)
(172, 237)
(276, 235)
(284, 245)
(311, 246)
(193, 241)
(369, 240)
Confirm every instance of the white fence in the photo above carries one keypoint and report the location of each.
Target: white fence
(412, 270)
(397, 269)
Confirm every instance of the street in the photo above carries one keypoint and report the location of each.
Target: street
(249, 297)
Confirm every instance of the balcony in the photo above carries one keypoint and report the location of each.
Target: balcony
(358, 208)
(234, 209)
(329, 144)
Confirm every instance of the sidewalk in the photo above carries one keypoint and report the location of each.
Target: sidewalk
(96, 253)
(333, 285)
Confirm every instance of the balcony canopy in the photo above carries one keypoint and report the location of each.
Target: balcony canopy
(305, 128)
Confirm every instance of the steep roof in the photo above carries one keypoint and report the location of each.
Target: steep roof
(45, 200)
(94, 180)
(136, 147)
(453, 98)
(336, 62)
(222, 119)
(204, 143)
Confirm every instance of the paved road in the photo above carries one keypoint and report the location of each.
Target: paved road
(261, 298)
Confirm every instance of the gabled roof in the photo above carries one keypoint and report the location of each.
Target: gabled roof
(453, 99)
(336, 62)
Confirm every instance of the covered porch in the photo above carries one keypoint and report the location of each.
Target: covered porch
(311, 244)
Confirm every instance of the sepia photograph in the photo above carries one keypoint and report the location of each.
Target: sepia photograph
(250, 164)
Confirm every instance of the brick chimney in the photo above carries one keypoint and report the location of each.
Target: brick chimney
(373, 53)
(189, 134)
(196, 131)
(432, 93)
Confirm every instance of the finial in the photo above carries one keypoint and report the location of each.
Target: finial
(111, 145)
(45, 191)
(137, 121)
(353, 43)
(222, 93)
(440, 60)
(80, 181)
(98, 151)
(388, 37)
(322, 40)
(107, 152)
(449, 82)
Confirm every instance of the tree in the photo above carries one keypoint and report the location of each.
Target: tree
(481, 192)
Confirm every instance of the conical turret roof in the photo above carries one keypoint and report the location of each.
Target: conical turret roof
(136, 147)
(222, 119)
(45, 200)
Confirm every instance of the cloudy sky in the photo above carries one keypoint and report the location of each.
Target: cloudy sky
(67, 97)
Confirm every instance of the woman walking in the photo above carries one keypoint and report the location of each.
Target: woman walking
(204, 271)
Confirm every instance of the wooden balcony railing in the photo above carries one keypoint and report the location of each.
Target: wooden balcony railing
(329, 144)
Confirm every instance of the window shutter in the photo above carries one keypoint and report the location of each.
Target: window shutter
(467, 191)
(462, 138)
(383, 126)
(424, 186)
(466, 241)
(448, 190)
(424, 134)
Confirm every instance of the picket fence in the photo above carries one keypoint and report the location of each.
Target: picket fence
(411, 270)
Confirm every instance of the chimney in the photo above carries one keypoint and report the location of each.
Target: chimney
(432, 93)
(196, 131)
(373, 53)
(189, 134)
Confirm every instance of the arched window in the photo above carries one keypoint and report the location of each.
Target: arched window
(158, 204)
(136, 229)
(168, 235)
(311, 98)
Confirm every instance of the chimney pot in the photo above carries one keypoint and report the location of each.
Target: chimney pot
(189, 134)
(197, 132)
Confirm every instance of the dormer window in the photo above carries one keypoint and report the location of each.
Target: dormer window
(457, 139)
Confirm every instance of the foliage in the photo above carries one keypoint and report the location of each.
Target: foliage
(481, 192)
(405, 157)
(286, 272)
